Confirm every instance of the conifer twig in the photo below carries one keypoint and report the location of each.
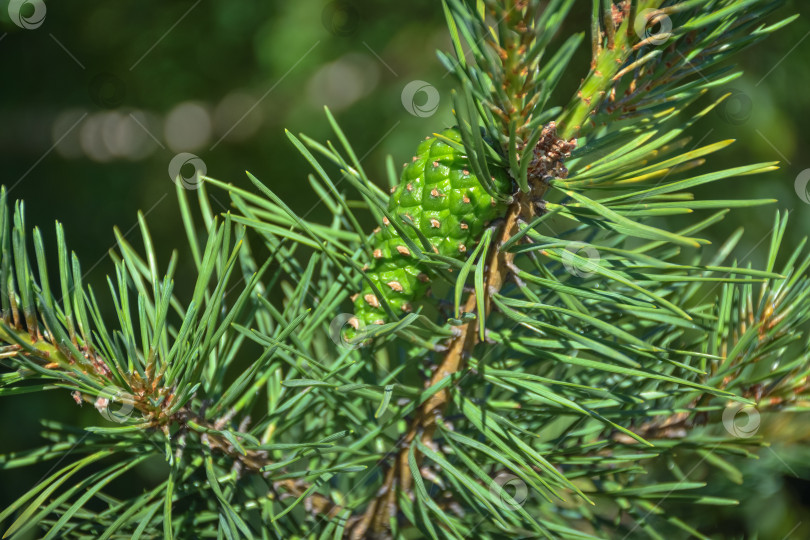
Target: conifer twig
(590, 360)
(498, 266)
(398, 476)
(607, 62)
(53, 358)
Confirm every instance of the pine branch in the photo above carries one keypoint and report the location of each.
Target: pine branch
(614, 41)
(146, 391)
(663, 55)
(565, 374)
(398, 476)
(607, 68)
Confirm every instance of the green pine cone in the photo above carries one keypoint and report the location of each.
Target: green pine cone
(447, 203)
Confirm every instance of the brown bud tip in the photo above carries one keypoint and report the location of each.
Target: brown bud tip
(409, 187)
(377, 254)
(435, 223)
(371, 300)
(435, 163)
(385, 221)
(393, 189)
(354, 323)
(354, 296)
(379, 321)
(464, 226)
(406, 307)
(395, 285)
(403, 250)
(462, 248)
(465, 199)
(465, 172)
(423, 278)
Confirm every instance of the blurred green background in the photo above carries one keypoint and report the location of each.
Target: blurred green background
(99, 97)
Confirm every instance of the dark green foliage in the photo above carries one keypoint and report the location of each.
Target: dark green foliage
(599, 386)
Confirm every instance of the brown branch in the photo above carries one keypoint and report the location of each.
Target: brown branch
(547, 162)
(398, 476)
(674, 426)
(52, 357)
(254, 461)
